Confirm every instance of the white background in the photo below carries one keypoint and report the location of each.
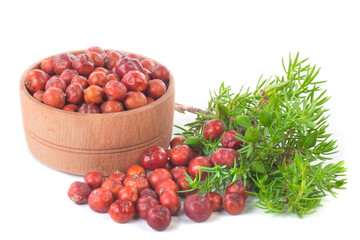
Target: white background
(203, 43)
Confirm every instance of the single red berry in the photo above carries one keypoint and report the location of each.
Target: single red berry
(79, 192)
(116, 90)
(94, 179)
(136, 181)
(47, 65)
(239, 188)
(89, 108)
(136, 170)
(36, 80)
(62, 62)
(75, 93)
(83, 64)
(54, 97)
(121, 211)
(135, 81)
(68, 75)
(158, 217)
(198, 208)
(213, 129)
(117, 176)
(224, 156)
(178, 171)
(156, 88)
(233, 203)
(160, 72)
(157, 176)
(170, 200)
(180, 155)
(56, 82)
(229, 140)
(100, 200)
(178, 140)
(166, 185)
(128, 193)
(215, 200)
(195, 164)
(154, 157)
(144, 204)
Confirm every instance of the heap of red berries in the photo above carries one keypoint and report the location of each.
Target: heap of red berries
(97, 81)
(152, 191)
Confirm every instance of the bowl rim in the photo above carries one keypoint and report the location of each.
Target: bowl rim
(169, 91)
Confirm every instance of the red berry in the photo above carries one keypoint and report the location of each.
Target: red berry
(229, 140)
(239, 188)
(148, 64)
(56, 82)
(36, 80)
(94, 179)
(71, 108)
(166, 185)
(148, 192)
(75, 93)
(160, 72)
(154, 157)
(136, 170)
(62, 62)
(111, 106)
(180, 155)
(39, 95)
(83, 64)
(128, 193)
(233, 203)
(89, 108)
(117, 176)
(136, 181)
(96, 49)
(121, 211)
(98, 78)
(81, 80)
(157, 176)
(79, 192)
(135, 81)
(110, 59)
(126, 65)
(115, 89)
(54, 97)
(113, 186)
(134, 100)
(156, 88)
(144, 204)
(224, 156)
(158, 217)
(47, 65)
(196, 163)
(213, 129)
(215, 200)
(97, 58)
(68, 75)
(183, 184)
(178, 171)
(170, 200)
(100, 200)
(178, 140)
(197, 208)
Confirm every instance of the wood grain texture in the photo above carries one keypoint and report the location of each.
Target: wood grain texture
(78, 143)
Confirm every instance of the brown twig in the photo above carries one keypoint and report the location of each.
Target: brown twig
(182, 108)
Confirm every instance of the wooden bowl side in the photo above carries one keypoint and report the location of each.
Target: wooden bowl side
(78, 143)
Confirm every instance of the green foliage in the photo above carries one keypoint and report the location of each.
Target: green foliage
(286, 152)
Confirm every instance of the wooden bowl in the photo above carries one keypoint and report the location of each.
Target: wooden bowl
(78, 142)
